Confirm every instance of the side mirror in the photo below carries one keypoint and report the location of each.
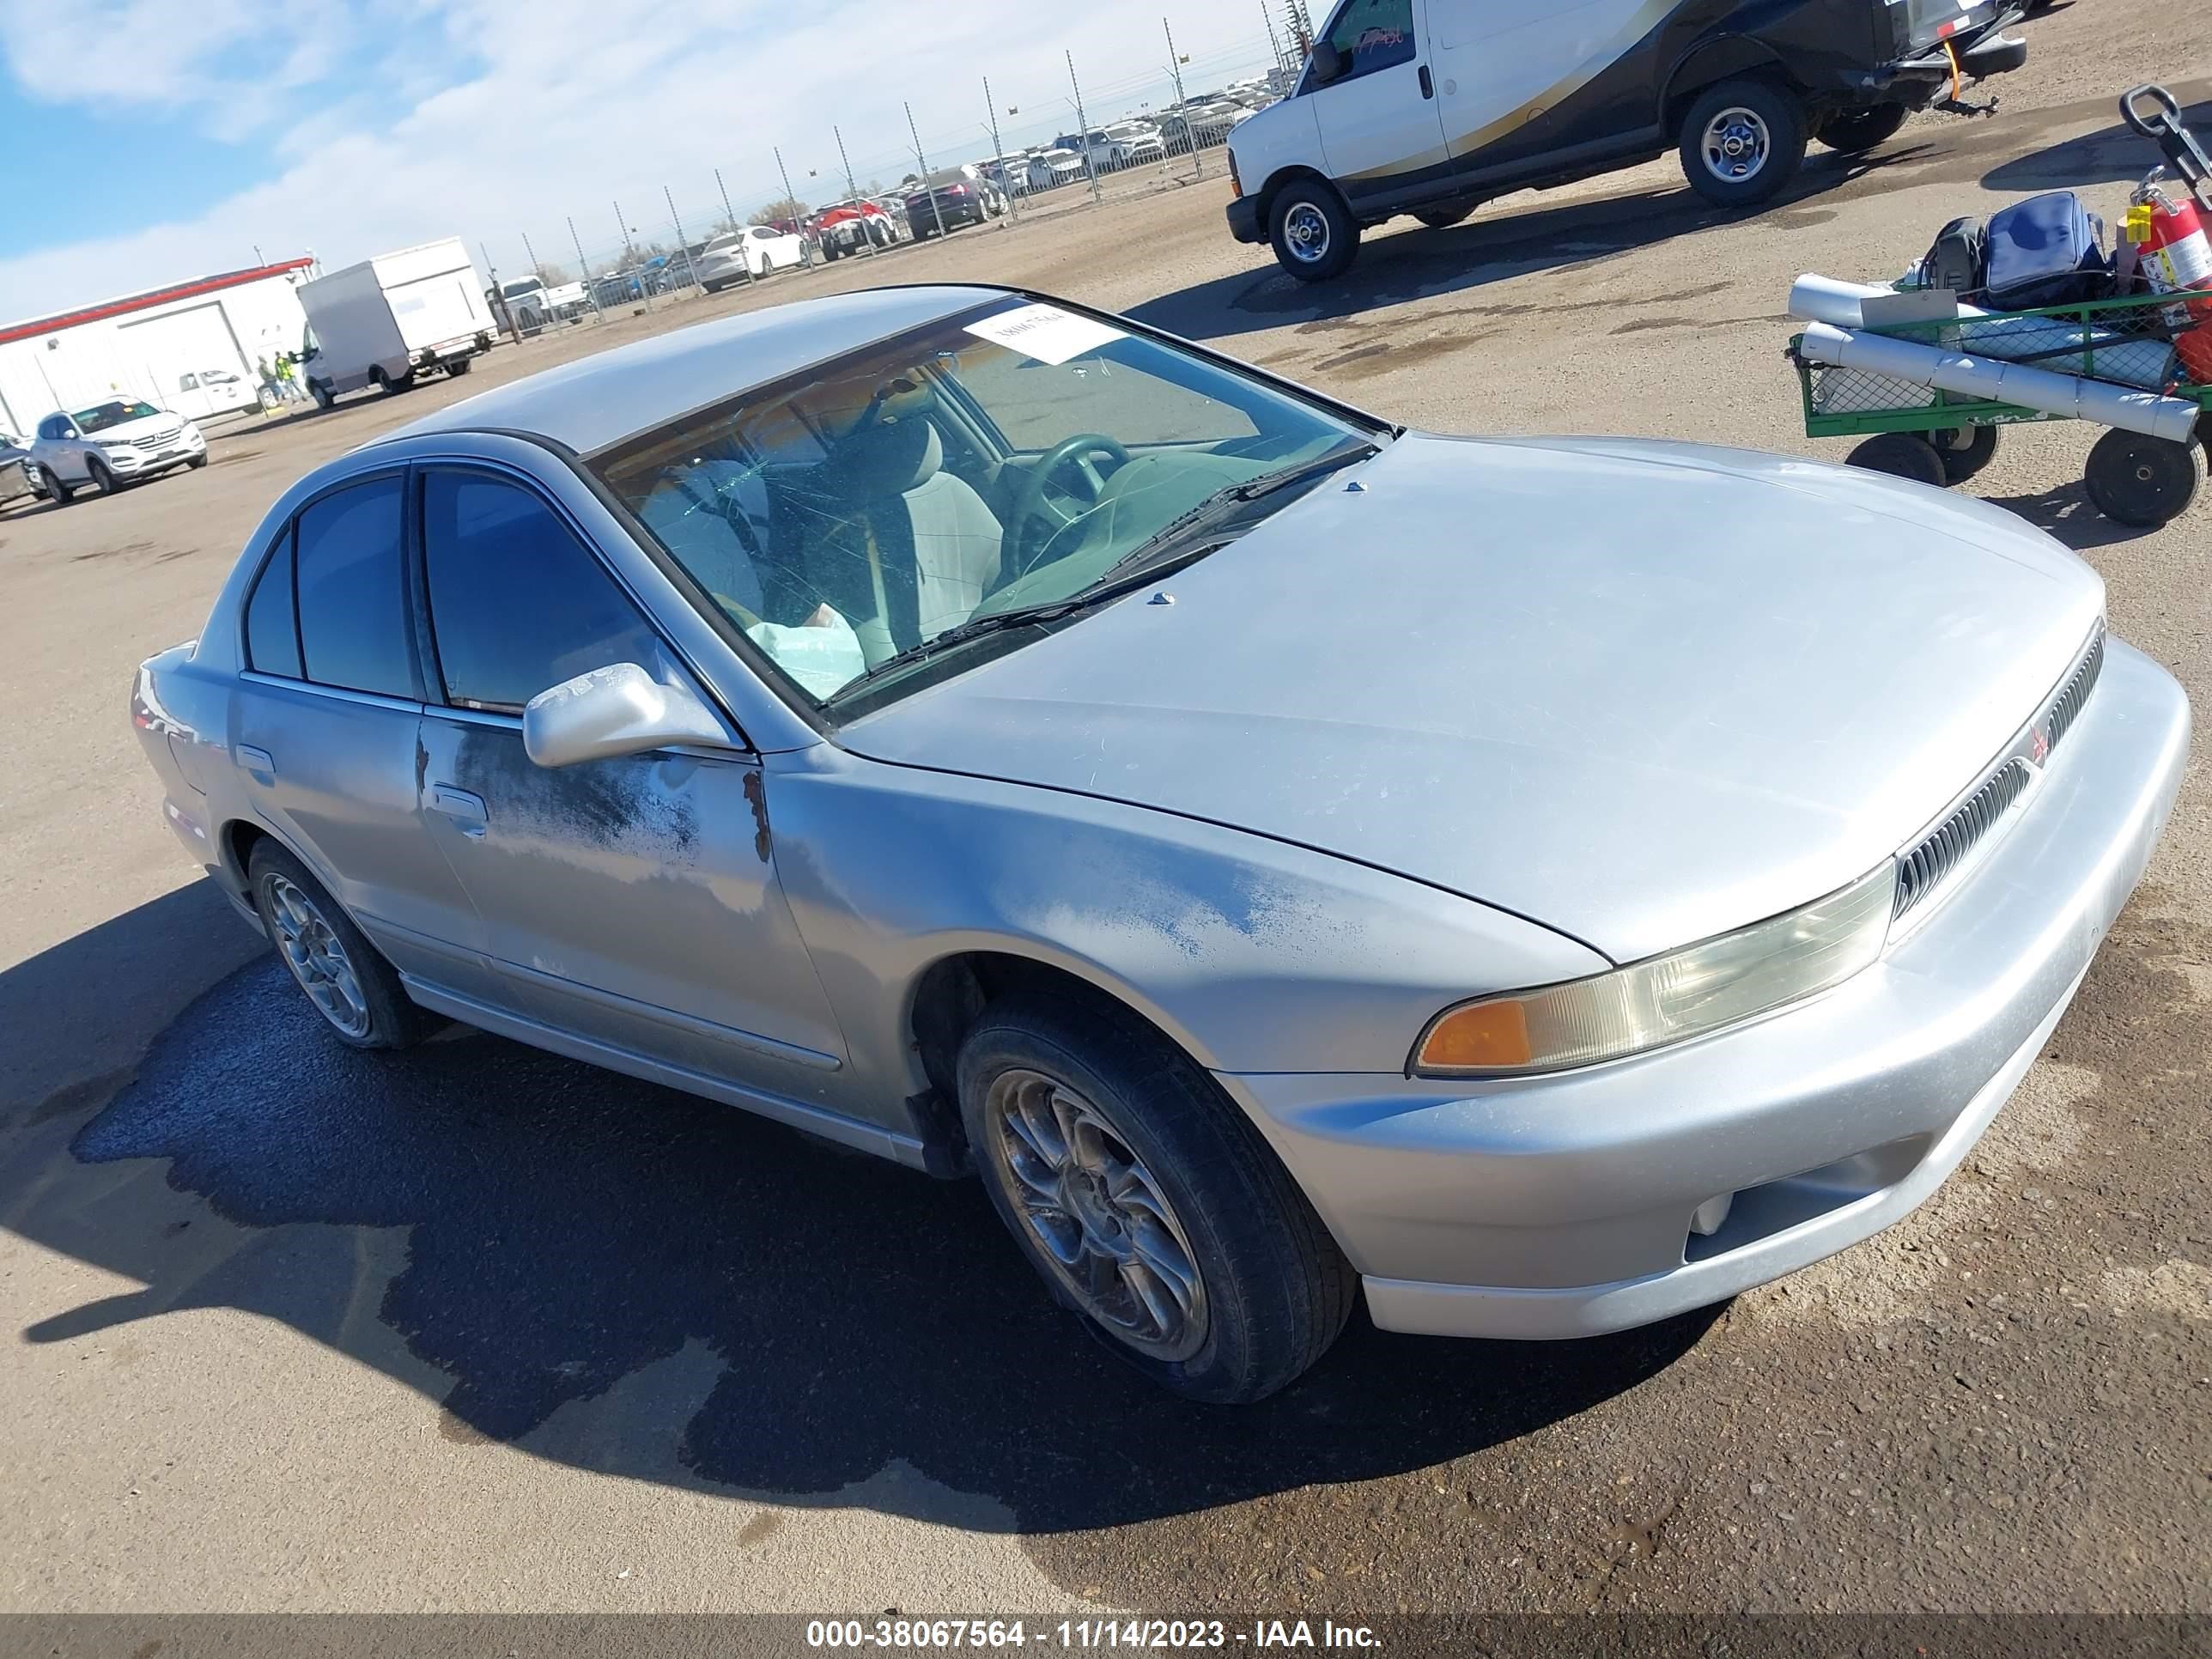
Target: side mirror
(615, 711)
(1328, 62)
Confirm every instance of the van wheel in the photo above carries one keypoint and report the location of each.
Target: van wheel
(323, 395)
(1147, 1201)
(1853, 131)
(1743, 142)
(1315, 238)
(459, 365)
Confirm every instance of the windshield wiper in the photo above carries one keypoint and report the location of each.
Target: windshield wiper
(1208, 514)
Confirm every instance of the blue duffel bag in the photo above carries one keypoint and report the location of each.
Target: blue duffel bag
(2047, 251)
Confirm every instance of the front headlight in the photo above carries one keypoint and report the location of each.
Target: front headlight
(1667, 1000)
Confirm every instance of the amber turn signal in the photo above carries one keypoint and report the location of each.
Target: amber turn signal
(1482, 1035)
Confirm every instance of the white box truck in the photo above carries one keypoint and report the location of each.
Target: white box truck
(386, 320)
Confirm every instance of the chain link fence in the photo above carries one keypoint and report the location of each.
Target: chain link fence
(1030, 152)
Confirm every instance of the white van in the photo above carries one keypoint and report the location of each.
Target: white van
(386, 320)
(1431, 108)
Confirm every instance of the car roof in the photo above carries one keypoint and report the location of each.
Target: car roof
(612, 395)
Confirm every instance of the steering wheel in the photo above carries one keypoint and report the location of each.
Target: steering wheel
(1028, 499)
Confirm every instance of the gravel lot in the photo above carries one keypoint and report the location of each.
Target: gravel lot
(283, 1328)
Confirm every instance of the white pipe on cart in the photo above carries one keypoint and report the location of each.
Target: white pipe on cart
(2067, 395)
(2106, 355)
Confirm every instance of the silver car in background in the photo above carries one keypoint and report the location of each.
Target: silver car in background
(1538, 886)
(108, 445)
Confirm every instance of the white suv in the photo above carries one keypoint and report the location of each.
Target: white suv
(108, 445)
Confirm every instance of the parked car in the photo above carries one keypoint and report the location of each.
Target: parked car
(851, 227)
(1055, 167)
(1199, 127)
(962, 195)
(995, 736)
(535, 305)
(752, 253)
(108, 445)
(1431, 108)
(1133, 144)
(1011, 173)
(14, 468)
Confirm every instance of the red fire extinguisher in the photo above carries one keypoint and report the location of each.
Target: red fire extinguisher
(2176, 259)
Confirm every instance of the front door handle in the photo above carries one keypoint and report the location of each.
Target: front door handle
(1428, 87)
(465, 810)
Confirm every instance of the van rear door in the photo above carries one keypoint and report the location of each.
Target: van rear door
(1380, 130)
(1521, 84)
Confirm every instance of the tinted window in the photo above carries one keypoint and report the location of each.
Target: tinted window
(1373, 35)
(353, 614)
(517, 605)
(272, 636)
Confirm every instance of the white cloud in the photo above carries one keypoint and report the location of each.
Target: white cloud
(394, 121)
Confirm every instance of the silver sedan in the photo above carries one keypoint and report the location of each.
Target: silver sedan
(1536, 886)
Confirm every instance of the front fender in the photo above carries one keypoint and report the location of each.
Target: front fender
(1253, 954)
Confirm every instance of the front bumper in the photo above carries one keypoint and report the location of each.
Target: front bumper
(1560, 1207)
(128, 463)
(1244, 220)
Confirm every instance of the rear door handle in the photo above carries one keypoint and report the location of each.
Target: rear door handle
(466, 810)
(1428, 87)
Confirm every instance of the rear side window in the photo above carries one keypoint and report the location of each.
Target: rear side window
(352, 599)
(272, 628)
(517, 605)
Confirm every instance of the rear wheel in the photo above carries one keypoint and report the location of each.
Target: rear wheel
(1742, 142)
(1849, 132)
(356, 991)
(1901, 455)
(1965, 450)
(51, 485)
(1314, 234)
(2142, 481)
(1147, 1201)
(459, 365)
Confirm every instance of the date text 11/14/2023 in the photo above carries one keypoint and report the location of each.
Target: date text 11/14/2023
(1165, 1634)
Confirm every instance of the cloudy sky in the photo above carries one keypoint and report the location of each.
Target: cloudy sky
(156, 140)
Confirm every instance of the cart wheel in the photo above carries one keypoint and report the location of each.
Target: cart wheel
(1965, 450)
(1902, 455)
(2142, 481)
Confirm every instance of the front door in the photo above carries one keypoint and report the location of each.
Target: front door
(632, 902)
(1379, 124)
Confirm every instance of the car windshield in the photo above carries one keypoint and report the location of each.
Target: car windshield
(100, 416)
(890, 508)
(516, 290)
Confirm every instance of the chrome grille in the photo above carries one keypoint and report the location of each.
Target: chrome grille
(1921, 870)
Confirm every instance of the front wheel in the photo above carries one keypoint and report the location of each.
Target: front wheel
(1315, 236)
(2143, 482)
(323, 396)
(1742, 142)
(1147, 1201)
(103, 480)
(198, 461)
(355, 990)
(1853, 131)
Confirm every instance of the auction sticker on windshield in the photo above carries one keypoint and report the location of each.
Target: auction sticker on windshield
(1046, 333)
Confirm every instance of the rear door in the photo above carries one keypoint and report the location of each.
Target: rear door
(324, 728)
(633, 902)
(1380, 128)
(1521, 84)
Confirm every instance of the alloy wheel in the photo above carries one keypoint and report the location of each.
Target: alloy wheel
(1098, 1217)
(317, 958)
(1306, 228)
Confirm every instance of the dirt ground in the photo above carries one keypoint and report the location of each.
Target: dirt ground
(281, 1328)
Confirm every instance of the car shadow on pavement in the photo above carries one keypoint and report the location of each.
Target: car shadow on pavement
(2113, 154)
(1398, 267)
(645, 1283)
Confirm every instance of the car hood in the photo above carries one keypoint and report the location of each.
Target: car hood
(1641, 692)
(162, 425)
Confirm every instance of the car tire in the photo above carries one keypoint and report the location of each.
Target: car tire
(1853, 132)
(321, 396)
(101, 477)
(1314, 234)
(53, 487)
(198, 461)
(1901, 455)
(358, 992)
(1965, 450)
(1215, 1277)
(1742, 142)
(460, 365)
(1443, 218)
(2143, 482)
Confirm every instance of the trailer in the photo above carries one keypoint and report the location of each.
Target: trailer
(388, 319)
